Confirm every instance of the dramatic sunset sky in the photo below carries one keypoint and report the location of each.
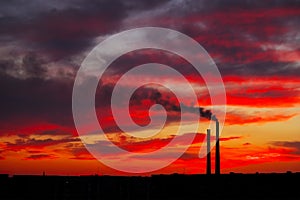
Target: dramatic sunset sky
(255, 44)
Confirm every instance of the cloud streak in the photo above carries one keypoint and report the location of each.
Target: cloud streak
(293, 145)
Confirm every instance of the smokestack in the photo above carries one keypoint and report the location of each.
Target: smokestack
(208, 162)
(217, 168)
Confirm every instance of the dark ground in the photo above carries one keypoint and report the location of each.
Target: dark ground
(227, 186)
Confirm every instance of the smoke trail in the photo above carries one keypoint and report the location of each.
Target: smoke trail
(203, 112)
(172, 106)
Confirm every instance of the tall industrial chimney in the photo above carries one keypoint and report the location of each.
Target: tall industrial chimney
(208, 161)
(217, 168)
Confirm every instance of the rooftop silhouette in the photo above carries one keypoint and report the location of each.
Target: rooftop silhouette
(175, 186)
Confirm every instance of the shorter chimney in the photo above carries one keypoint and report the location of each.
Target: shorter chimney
(218, 168)
(208, 161)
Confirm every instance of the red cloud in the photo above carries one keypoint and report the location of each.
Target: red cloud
(80, 153)
(230, 138)
(152, 144)
(28, 143)
(234, 118)
(263, 96)
(40, 157)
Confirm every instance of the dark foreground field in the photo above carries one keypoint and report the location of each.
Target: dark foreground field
(227, 186)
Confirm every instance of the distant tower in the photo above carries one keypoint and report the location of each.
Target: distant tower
(217, 169)
(208, 161)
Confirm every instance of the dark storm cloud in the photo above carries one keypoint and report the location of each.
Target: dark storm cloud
(144, 5)
(22, 8)
(32, 65)
(61, 28)
(6, 66)
(264, 68)
(207, 6)
(64, 28)
(35, 99)
(244, 59)
(29, 96)
(219, 4)
(61, 32)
